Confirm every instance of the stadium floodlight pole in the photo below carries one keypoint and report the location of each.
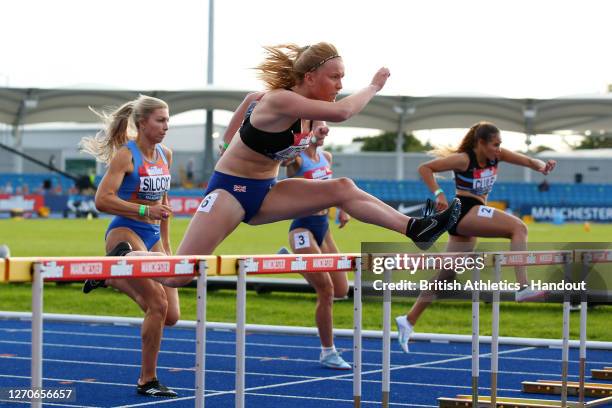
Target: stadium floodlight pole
(399, 147)
(208, 138)
(403, 111)
(529, 114)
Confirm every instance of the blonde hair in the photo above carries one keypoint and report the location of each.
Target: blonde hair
(105, 143)
(286, 64)
(480, 131)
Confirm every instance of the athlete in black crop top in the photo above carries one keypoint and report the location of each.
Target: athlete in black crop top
(475, 165)
(303, 83)
(278, 146)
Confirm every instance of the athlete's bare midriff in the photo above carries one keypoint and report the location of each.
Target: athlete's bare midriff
(462, 193)
(242, 161)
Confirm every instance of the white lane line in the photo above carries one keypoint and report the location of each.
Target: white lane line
(87, 382)
(262, 387)
(63, 404)
(233, 343)
(555, 374)
(165, 401)
(183, 353)
(276, 345)
(337, 400)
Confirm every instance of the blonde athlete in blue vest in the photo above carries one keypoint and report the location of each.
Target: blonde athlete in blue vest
(135, 190)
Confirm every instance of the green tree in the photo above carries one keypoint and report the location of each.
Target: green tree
(386, 143)
(594, 142)
(543, 148)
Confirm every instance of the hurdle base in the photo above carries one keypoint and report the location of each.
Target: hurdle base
(465, 401)
(385, 399)
(604, 374)
(554, 387)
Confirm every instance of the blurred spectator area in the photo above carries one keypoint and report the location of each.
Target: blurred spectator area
(33, 183)
(514, 193)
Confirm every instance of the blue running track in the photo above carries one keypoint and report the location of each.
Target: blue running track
(102, 363)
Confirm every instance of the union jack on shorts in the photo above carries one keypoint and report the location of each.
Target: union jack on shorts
(239, 188)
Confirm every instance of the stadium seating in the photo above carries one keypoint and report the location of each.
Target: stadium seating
(514, 194)
(35, 181)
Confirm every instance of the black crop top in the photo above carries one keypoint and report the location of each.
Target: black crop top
(275, 145)
(477, 180)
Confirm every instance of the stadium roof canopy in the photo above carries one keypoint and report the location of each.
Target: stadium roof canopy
(20, 106)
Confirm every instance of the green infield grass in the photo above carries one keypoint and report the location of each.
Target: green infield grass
(55, 237)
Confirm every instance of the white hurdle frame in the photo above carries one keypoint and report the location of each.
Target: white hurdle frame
(495, 332)
(37, 332)
(241, 333)
(568, 257)
(357, 326)
(386, 341)
(566, 334)
(386, 336)
(475, 338)
(586, 259)
(200, 366)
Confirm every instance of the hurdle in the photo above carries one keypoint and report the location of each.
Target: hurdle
(39, 270)
(386, 343)
(602, 374)
(527, 258)
(305, 263)
(580, 388)
(573, 388)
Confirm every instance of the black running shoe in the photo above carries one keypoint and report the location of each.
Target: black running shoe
(121, 249)
(91, 284)
(154, 389)
(425, 231)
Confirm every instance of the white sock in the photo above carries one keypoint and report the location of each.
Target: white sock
(403, 321)
(328, 350)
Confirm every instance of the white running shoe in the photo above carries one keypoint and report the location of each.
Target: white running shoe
(529, 295)
(404, 331)
(333, 360)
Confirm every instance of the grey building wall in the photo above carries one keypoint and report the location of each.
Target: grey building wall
(187, 142)
(383, 166)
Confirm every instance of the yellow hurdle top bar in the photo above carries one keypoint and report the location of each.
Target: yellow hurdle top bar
(19, 269)
(106, 267)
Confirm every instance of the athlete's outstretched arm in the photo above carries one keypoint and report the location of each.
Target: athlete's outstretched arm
(294, 105)
(526, 161)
